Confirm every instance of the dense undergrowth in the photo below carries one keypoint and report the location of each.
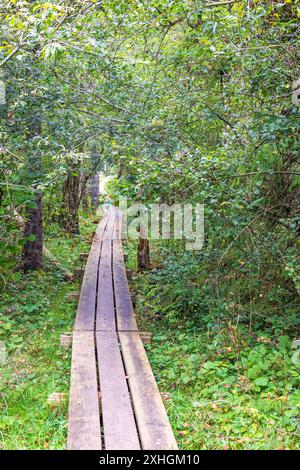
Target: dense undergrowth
(34, 312)
(227, 384)
(232, 383)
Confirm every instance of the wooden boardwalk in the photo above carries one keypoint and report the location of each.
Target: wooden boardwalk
(114, 399)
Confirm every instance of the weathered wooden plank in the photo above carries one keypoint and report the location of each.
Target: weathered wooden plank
(146, 337)
(129, 422)
(153, 424)
(120, 431)
(84, 421)
(85, 317)
(105, 315)
(124, 309)
(117, 235)
(66, 340)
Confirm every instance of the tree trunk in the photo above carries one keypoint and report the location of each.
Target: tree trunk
(94, 191)
(84, 193)
(143, 252)
(94, 180)
(33, 248)
(85, 201)
(32, 254)
(71, 202)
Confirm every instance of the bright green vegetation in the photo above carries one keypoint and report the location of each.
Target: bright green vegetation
(227, 390)
(225, 386)
(33, 314)
(32, 320)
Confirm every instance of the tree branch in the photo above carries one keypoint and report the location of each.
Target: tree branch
(9, 56)
(217, 4)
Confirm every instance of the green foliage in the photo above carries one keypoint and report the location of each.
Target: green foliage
(182, 101)
(225, 386)
(218, 396)
(248, 291)
(34, 312)
(222, 348)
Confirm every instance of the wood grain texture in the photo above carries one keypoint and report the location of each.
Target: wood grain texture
(84, 418)
(120, 431)
(105, 314)
(154, 428)
(117, 235)
(124, 309)
(85, 317)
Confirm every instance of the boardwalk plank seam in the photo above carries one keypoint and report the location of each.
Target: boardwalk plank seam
(109, 359)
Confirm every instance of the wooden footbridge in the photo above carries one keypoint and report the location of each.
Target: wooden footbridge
(114, 399)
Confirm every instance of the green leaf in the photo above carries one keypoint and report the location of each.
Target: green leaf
(261, 382)
(31, 238)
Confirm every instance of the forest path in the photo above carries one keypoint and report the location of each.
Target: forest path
(114, 399)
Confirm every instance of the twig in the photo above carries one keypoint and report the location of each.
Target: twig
(9, 56)
(68, 16)
(102, 117)
(263, 173)
(248, 174)
(156, 65)
(119, 108)
(217, 4)
(14, 51)
(19, 187)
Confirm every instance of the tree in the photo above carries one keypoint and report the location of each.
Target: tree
(33, 229)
